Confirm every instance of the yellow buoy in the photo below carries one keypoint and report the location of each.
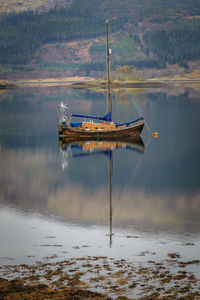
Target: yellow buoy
(155, 134)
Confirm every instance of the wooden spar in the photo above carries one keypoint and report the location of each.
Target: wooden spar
(109, 100)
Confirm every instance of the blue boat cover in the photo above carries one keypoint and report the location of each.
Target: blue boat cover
(76, 147)
(107, 117)
(104, 152)
(76, 124)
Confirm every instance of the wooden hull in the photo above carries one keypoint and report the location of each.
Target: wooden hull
(132, 130)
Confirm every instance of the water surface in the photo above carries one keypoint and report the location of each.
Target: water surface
(55, 199)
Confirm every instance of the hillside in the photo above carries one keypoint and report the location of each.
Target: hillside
(10, 6)
(67, 37)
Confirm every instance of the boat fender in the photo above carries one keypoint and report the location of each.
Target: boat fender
(155, 134)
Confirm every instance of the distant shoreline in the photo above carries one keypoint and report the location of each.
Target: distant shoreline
(5, 86)
(92, 83)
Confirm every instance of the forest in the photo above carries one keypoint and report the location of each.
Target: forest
(177, 45)
(22, 34)
(169, 32)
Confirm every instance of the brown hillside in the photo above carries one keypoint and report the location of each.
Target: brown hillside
(77, 51)
(7, 6)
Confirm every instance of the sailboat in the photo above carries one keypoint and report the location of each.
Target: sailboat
(103, 127)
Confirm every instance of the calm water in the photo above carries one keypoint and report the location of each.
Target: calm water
(55, 199)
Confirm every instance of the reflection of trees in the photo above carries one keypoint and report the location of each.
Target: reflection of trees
(29, 180)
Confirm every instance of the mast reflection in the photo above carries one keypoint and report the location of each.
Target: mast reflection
(88, 147)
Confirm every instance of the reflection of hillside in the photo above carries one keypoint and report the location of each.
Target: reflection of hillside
(29, 180)
(25, 178)
(134, 208)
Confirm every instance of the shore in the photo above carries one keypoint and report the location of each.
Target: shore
(99, 277)
(97, 84)
(4, 85)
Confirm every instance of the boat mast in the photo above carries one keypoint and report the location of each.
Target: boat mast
(109, 101)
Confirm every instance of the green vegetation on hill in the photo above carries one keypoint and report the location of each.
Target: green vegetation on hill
(177, 45)
(125, 48)
(154, 32)
(22, 34)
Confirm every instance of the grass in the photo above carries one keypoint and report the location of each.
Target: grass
(121, 50)
(54, 67)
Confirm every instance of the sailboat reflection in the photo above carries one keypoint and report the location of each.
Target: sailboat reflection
(95, 147)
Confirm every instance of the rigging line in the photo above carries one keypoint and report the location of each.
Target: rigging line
(147, 126)
(129, 95)
(124, 83)
(132, 176)
(115, 66)
(117, 63)
(134, 169)
(113, 44)
(118, 57)
(132, 172)
(125, 86)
